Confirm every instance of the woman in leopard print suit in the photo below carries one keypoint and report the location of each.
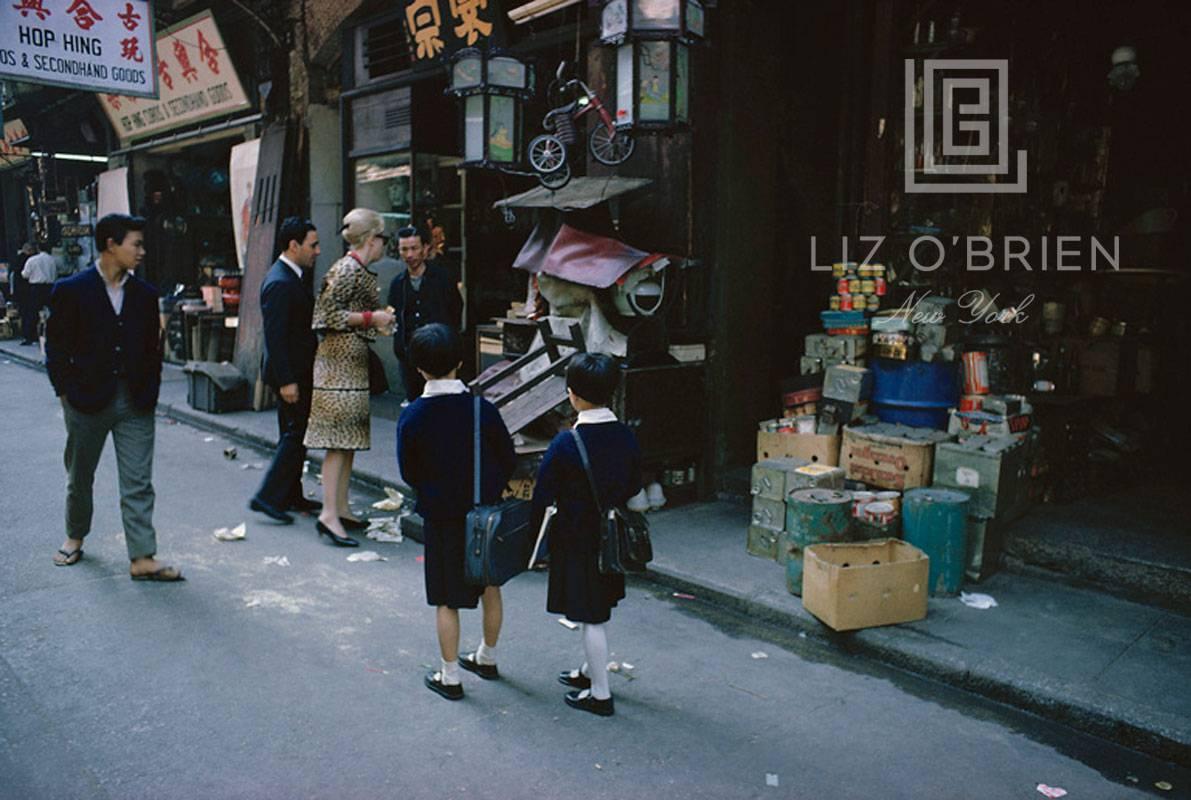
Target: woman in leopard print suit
(346, 320)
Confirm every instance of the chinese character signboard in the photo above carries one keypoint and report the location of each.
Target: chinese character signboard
(438, 28)
(196, 79)
(96, 45)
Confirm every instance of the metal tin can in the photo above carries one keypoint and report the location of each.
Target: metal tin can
(833, 302)
(878, 270)
(843, 286)
(880, 513)
(868, 286)
(845, 302)
(859, 501)
(854, 286)
(879, 287)
(839, 269)
(874, 302)
(971, 402)
(975, 372)
(893, 498)
(866, 271)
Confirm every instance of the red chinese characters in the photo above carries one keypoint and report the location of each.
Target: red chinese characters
(130, 18)
(113, 101)
(183, 59)
(163, 72)
(208, 53)
(34, 6)
(84, 15)
(130, 50)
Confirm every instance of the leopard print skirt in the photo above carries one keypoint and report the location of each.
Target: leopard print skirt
(340, 412)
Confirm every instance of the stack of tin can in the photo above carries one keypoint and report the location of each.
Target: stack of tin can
(857, 287)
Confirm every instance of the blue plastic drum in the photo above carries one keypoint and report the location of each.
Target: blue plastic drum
(915, 393)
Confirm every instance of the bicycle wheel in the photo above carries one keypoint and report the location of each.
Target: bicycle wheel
(547, 154)
(557, 179)
(612, 148)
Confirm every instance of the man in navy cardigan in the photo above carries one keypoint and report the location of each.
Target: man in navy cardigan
(103, 354)
(287, 307)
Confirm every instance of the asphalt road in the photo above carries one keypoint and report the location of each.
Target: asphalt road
(256, 680)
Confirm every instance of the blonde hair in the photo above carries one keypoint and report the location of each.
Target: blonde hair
(360, 225)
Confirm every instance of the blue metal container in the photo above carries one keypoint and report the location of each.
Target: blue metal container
(936, 522)
(915, 393)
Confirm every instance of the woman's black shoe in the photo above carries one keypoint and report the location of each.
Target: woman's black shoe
(353, 524)
(583, 701)
(339, 541)
(575, 679)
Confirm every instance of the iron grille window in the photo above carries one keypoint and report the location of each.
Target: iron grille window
(384, 49)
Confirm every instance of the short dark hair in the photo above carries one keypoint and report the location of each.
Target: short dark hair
(435, 349)
(593, 377)
(414, 230)
(45, 246)
(294, 229)
(116, 227)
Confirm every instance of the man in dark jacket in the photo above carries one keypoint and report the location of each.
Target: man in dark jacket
(424, 293)
(103, 354)
(287, 307)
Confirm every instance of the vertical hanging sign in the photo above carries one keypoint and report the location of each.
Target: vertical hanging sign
(100, 46)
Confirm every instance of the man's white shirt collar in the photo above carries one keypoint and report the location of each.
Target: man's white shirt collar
(439, 386)
(594, 416)
(297, 270)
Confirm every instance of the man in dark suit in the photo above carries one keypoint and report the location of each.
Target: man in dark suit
(103, 354)
(290, 344)
(424, 293)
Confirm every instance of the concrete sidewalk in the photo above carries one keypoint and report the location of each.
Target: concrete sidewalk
(1110, 667)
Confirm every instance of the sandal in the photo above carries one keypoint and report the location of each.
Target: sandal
(69, 557)
(160, 575)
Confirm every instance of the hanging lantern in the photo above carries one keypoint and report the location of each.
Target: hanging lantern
(653, 62)
(494, 89)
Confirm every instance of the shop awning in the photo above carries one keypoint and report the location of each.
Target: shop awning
(579, 193)
(579, 257)
(538, 8)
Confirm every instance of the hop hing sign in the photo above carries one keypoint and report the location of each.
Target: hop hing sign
(95, 45)
(195, 75)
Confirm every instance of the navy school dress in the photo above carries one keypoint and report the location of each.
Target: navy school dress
(435, 454)
(576, 588)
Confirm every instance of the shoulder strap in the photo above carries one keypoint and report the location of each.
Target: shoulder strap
(476, 452)
(595, 493)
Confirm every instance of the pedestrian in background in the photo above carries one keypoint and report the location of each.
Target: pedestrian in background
(436, 456)
(39, 272)
(346, 319)
(287, 309)
(103, 355)
(577, 589)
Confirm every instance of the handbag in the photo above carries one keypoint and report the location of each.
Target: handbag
(378, 381)
(624, 534)
(499, 537)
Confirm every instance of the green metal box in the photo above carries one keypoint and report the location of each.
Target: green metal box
(771, 478)
(993, 470)
(762, 542)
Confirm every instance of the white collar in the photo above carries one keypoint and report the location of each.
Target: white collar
(594, 416)
(443, 386)
(297, 270)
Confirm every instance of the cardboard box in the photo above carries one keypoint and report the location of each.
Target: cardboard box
(861, 585)
(809, 447)
(887, 461)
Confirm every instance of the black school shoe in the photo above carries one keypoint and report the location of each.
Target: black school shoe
(575, 679)
(602, 708)
(486, 671)
(434, 683)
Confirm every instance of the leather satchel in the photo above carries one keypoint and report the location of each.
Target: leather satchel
(624, 535)
(499, 537)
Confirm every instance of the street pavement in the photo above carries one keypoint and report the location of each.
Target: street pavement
(256, 680)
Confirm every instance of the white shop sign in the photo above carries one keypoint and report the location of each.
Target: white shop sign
(95, 45)
(196, 77)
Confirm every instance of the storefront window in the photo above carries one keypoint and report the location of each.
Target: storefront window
(653, 69)
(382, 183)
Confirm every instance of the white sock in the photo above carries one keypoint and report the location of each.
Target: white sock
(450, 673)
(485, 654)
(595, 647)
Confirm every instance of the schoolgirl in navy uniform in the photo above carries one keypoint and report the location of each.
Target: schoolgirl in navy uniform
(577, 589)
(435, 452)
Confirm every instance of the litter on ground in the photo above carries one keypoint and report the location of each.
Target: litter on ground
(385, 529)
(1051, 791)
(232, 534)
(392, 502)
(770, 779)
(280, 561)
(758, 654)
(366, 555)
(208, 438)
(230, 453)
(684, 596)
(977, 600)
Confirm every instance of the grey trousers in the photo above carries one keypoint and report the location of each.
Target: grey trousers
(132, 434)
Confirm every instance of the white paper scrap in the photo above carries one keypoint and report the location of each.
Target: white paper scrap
(280, 561)
(232, 534)
(770, 779)
(1051, 791)
(977, 600)
(760, 654)
(392, 502)
(366, 555)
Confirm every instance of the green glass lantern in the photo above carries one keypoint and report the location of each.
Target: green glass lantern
(494, 89)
